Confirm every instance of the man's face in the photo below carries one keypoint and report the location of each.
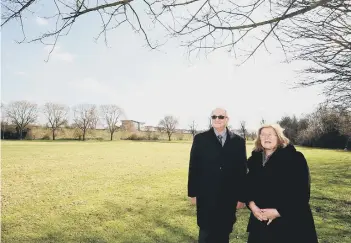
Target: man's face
(219, 119)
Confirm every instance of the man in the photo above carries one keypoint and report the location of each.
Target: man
(217, 171)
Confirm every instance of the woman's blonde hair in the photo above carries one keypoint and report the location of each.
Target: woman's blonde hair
(279, 131)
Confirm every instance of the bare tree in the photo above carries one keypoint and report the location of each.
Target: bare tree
(263, 121)
(148, 132)
(345, 126)
(327, 127)
(95, 121)
(56, 115)
(243, 129)
(168, 125)
(193, 128)
(291, 127)
(85, 116)
(206, 24)
(252, 135)
(65, 13)
(22, 113)
(326, 49)
(111, 113)
(314, 31)
(159, 128)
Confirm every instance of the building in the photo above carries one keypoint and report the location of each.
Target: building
(131, 125)
(150, 129)
(182, 131)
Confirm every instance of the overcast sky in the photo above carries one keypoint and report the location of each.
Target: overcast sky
(148, 84)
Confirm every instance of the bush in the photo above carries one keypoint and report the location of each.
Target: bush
(29, 135)
(77, 134)
(46, 137)
(180, 137)
(135, 136)
(149, 135)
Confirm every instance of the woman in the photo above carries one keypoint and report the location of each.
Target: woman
(278, 191)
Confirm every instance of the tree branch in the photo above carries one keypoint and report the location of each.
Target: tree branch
(103, 6)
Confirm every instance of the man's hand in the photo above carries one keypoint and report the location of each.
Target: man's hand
(270, 214)
(240, 205)
(193, 200)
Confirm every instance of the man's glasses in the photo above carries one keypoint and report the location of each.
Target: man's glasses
(219, 117)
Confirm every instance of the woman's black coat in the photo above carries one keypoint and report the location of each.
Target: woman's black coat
(284, 184)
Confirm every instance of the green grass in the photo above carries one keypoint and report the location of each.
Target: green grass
(127, 191)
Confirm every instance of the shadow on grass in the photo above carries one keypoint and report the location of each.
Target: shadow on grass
(333, 218)
(153, 222)
(145, 221)
(337, 202)
(60, 237)
(112, 222)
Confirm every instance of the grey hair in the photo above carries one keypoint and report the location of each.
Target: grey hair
(220, 108)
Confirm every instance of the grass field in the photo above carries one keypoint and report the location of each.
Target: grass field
(127, 191)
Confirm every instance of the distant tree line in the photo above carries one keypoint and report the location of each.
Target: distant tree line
(325, 127)
(85, 117)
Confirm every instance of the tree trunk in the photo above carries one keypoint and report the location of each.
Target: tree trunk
(169, 137)
(111, 135)
(20, 133)
(347, 143)
(53, 134)
(84, 135)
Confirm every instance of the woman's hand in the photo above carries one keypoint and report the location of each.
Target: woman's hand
(270, 214)
(257, 212)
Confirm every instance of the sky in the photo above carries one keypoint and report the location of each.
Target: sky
(148, 84)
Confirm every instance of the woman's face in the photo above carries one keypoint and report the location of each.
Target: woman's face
(269, 139)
